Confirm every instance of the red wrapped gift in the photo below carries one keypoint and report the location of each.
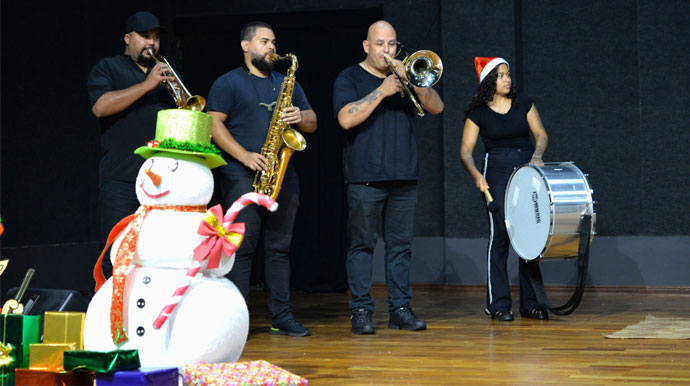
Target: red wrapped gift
(30, 377)
(240, 374)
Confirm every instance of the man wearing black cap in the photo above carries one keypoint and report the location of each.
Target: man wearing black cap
(126, 95)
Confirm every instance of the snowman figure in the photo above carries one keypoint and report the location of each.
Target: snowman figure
(168, 297)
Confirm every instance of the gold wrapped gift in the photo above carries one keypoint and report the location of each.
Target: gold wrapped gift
(64, 327)
(48, 356)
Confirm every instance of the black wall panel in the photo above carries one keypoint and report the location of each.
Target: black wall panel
(664, 116)
(580, 66)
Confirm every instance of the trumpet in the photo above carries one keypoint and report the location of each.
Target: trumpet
(183, 98)
(423, 69)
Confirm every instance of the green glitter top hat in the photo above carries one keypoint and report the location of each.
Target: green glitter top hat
(184, 132)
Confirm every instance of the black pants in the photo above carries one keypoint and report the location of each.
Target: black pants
(386, 209)
(498, 166)
(274, 231)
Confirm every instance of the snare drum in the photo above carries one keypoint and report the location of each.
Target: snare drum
(543, 209)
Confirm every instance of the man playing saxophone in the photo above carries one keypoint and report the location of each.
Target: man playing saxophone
(242, 103)
(380, 169)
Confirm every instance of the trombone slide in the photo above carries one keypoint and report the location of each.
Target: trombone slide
(406, 88)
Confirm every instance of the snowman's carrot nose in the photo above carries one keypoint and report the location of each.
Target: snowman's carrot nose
(155, 178)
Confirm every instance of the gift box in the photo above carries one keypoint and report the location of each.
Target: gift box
(143, 376)
(17, 333)
(48, 356)
(102, 361)
(240, 374)
(64, 327)
(47, 377)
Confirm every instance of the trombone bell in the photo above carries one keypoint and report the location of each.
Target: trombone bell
(423, 68)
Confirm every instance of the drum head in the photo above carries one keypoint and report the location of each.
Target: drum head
(528, 212)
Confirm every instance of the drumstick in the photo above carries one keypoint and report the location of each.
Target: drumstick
(489, 201)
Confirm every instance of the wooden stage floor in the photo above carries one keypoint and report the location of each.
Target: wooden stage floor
(462, 346)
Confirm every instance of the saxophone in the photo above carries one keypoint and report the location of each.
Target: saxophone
(282, 140)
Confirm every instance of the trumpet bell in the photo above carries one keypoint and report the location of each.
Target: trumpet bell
(423, 68)
(195, 103)
(177, 89)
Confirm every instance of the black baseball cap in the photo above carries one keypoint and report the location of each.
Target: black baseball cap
(143, 21)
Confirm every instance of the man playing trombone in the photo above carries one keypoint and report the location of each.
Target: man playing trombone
(380, 169)
(125, 96)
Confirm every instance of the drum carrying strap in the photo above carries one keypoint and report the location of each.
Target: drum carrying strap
(582, 262)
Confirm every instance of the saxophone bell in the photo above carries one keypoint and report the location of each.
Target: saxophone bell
(294, 139)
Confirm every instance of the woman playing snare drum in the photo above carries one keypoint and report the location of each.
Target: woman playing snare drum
(504, 120)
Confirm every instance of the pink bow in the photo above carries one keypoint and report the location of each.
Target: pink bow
(229, 239)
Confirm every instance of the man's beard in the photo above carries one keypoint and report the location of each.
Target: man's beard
(145, 61)
(265, 66)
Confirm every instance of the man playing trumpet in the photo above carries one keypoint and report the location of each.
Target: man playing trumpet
(380, 168)
(126, 95)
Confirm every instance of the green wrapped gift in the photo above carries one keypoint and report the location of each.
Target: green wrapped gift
(102, 362)
(18, 332)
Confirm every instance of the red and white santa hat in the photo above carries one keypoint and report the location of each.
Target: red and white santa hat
(485, 65)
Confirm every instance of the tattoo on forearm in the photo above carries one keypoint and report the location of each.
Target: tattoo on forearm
(367, 99)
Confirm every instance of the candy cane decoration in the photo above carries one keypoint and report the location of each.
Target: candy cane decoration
(246, 199)
(235, 208)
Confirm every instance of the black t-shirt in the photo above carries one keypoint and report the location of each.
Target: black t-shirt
(125, 131)
(244, 98)
(509, 130)
(384, 146)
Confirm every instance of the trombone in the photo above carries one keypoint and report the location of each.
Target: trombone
(423, 69)
(183, 98)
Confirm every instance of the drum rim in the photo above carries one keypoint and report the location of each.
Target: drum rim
(549, 237)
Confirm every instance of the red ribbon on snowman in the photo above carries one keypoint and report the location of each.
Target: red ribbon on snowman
(228, 239)
(225, 236)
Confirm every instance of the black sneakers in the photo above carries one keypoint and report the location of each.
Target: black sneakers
(289, 327)
(500, 315)
(537, 313)
(403, 318)
(361, 322)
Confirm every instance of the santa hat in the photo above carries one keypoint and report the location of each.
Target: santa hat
(485, 65)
